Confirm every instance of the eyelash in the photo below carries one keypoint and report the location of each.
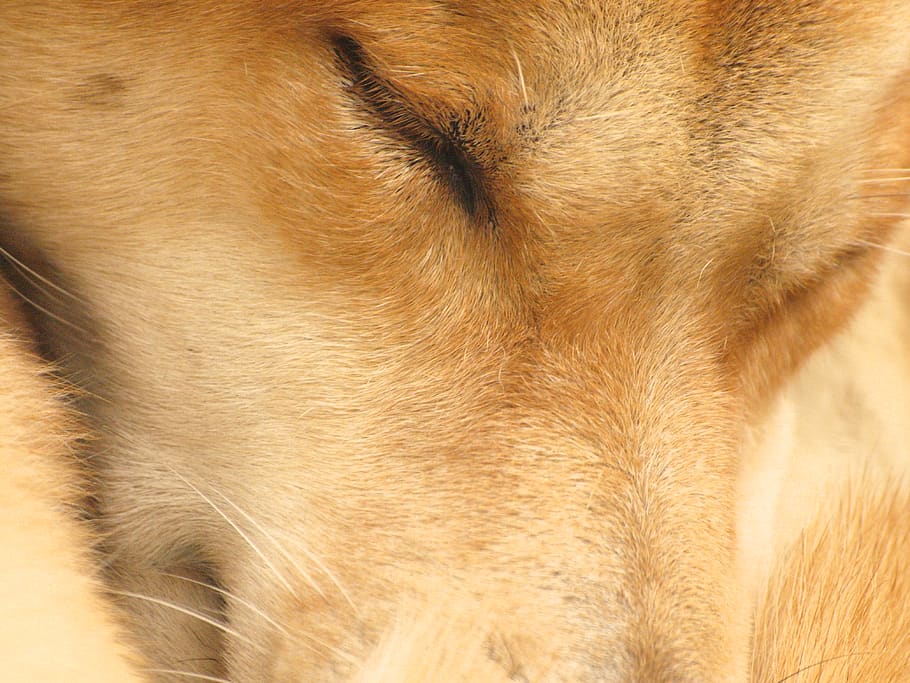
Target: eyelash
(444, 149)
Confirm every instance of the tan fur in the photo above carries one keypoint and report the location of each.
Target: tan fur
(836, 607)
(429, 340)
(54, 627)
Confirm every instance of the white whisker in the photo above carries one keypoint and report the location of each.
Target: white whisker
(187, 674)
(29, 278)
(331, 576)
(297, 638)
(521, 78)
(23, 100)
(883, 195)
(239, 531)
(50, 314)
(883, 247)
(892, 179)
(183, 610)
(601, 116)
(35, 277)
(269, 537)
(255, 610)
(290, 558)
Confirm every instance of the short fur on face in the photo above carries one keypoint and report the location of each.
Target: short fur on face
(416, 328)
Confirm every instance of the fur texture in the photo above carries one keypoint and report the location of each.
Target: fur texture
(429, 340)
(55, 626)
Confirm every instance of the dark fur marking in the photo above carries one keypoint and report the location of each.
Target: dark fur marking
(100, 90)
(444, 146)
(50, 303)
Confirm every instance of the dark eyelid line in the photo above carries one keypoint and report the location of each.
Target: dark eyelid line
(443, 149)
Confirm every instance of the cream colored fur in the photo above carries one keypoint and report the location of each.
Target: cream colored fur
(455, 341)
(55, 626)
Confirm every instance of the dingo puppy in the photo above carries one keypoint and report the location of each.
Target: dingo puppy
(437, 341)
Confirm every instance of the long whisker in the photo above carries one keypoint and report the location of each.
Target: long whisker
(298, 638)
(27, 275)
(889, 179)
(239, 531)
(255, 610)
(331, 576)
(35, 277)
(601, 116)
(50, 314)
(290, 558)
(884, 195)
(883, 247)
(187, 674)
(183, 610)
(521, 79)
(275, 543)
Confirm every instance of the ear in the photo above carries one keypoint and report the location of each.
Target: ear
(840, 164)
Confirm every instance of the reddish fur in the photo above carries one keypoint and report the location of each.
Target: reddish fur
(517, 431)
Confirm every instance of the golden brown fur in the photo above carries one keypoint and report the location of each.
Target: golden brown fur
(429, 340)
(836, 607)
(54, 626)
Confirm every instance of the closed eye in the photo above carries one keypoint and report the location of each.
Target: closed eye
(443, 147)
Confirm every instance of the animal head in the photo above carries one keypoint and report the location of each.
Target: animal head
(427, 327)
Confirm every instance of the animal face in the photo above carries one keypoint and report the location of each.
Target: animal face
(437, 325)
